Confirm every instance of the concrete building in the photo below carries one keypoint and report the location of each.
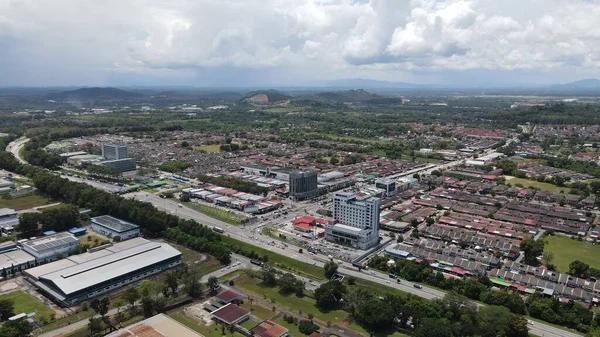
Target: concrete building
(6, 186)
(111, 227)
(120, 165)
(81, 277)
(9, 219)
(274, 172)
(230, 314)
(114, 151)
(303, 185)
(387, 185)
(15, 259)
(46, 248)
(356, 222)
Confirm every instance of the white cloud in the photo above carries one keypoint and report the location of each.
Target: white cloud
(76, 41)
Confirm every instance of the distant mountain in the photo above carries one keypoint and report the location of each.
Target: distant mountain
(96, 93)
(371, 84)
(357, 96)
(590, 83)
(266, 97)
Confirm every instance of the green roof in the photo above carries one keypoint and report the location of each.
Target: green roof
(500, 282)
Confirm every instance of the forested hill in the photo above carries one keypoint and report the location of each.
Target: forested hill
(357, 96)
(560, 113)
(96, 93)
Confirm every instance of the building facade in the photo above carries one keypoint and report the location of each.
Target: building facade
(356, 222)
(114, 151)
(120, 165)
(111, 227)
(47, 248)
(303, 185)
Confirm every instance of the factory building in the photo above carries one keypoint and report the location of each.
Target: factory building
(45, 249)
(356, 222)
(81, 277)
(111, 227)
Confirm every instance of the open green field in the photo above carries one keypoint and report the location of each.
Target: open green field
(214, 330)
(292, 265)
(208, 148)
(28, 201)
(536, 184)
(567, 250)
(91, 240)
(289, 302)
(27, 304)
(293, 329)
(219, 214)
(258, 310)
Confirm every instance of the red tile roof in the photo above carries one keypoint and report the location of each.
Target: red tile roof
(269, 329)
(230, 313)
(228, 296)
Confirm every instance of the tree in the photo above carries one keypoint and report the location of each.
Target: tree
(329, 294)
(493, 321)
(375, 313)
(100, 306)
(299, 288)
(60, 218)
(16, 328)
(517, 326)
(434, 327)
(117, 238)
(579, 269)
(192, 284)
(436, 173)
(351, 280)
(85, 305)
(29, 224)
(268, 277)
(307, 327)
(148, 306)
(547, 258)
(144, 288)
(532, 249)
(95, 325)
(171, 282)
(131, 295)
(334, 160)
(330, 269)
(430, 221)
(414, 222)
(287, 283)
(7, 308)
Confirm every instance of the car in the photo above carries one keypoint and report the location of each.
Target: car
(418, 286)
(529, 322)
(388, 282)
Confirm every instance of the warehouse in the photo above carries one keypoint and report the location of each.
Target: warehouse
(81, 277)
(111, 227)
(47, 248)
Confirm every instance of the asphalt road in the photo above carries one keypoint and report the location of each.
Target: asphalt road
(15, 146)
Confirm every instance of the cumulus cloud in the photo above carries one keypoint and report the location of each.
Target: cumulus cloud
(94, 42)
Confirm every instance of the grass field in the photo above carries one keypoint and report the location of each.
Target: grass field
(567, 250)
(219, 214)
(28, 201)
(536, 184)
(292, 264)
(258, 310)
(27, 304)
(293, 329)
(208, 148)
(214, 330)
(289, 302)
(91, 240)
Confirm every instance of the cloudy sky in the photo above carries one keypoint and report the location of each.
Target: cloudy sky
(297, 42)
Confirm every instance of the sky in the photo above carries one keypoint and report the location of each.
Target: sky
(297, 42)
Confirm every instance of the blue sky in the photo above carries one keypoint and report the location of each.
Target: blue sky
(297, 42)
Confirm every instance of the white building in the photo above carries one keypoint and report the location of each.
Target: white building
(357, 221)
(9, 219)
(111, 227)
(45, 249)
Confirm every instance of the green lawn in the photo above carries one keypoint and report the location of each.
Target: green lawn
(289, 302)
(293, 329)
(27, 304)
(91, 240)
(567, 250)
(289, 263)
(214, 330)
(536, 184)
(208, 148)
(28, 201)
(219, 214)
(259, 311)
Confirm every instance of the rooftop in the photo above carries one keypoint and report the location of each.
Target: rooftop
(269, 329)
(346, 227)
(230, 313)
(228, 296)
(51, 241)
(156, 326)
(73, 278)
(113, 223)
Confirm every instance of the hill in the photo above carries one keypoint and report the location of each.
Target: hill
(590, 83)
(266, 97)
(96, 93)
(357, 96)
(371, 84)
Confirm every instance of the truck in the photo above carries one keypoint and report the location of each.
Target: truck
(218, 229)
